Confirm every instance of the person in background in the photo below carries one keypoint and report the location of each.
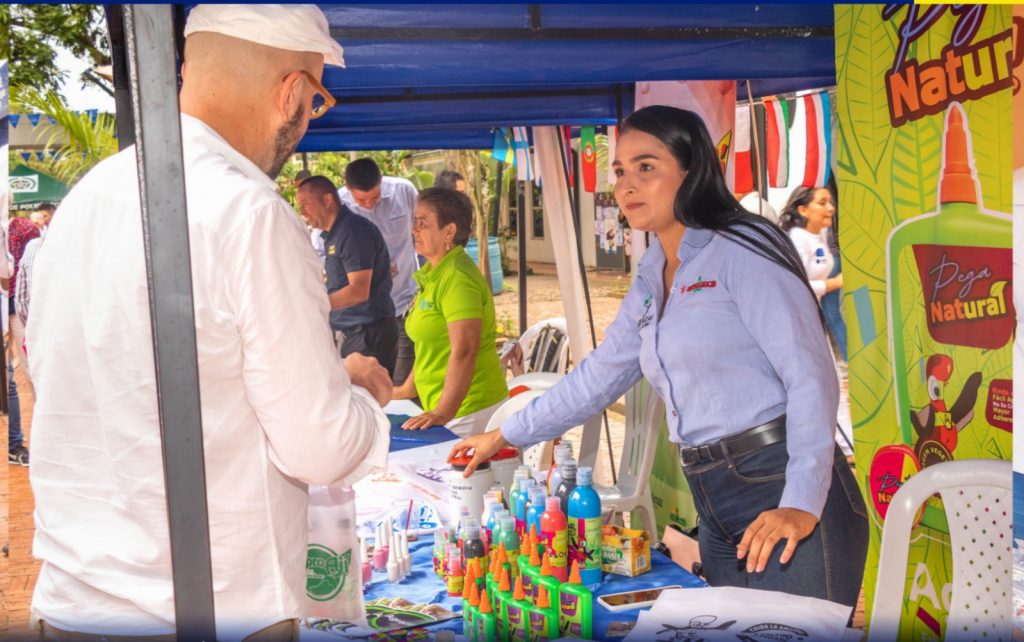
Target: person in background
(457, 375)
(280, 409)
(806, 218)
(722, 322)
(42, 216)
(450, 179)
(17, 453)
(831, 302)
(358, 273)
(20, 232)
(389, 202)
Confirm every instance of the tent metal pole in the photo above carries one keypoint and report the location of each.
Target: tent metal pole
(119, 64)
(521, 187)
(150, 44)
(574, 207)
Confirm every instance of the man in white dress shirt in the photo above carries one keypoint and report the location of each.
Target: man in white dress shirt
(280, 409)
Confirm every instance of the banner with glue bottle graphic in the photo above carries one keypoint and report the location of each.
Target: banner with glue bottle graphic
(924, 169)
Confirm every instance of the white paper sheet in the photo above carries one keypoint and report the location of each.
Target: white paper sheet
(750, 615)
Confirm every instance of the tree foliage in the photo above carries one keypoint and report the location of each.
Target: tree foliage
(87, 141)
(35, 31)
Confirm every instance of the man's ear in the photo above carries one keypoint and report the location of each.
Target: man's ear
(289, 95)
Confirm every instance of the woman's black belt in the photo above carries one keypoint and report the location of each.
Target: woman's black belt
(745, 442)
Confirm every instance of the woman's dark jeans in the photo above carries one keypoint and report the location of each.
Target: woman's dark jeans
(829, 564)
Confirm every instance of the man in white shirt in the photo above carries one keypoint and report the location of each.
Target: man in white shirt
(280, 409)
(390, 203)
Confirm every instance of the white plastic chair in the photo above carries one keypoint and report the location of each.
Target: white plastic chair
(978, 500)
(633, 490)
(545, 346)
(535, 380)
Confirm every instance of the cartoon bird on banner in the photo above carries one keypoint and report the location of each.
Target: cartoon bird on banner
(936, 425)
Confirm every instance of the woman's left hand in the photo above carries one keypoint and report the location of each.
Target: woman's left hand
(426, 420)
(771, 526)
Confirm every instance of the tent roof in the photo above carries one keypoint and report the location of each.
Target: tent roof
(442, 76)
(31, 187)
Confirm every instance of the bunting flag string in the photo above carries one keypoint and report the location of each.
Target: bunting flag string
(613, 138)
(14, 119)
(588, 154)
(567, 143)
(777, 141)
(34, 119)
(744, 174)
(503, 149)
(521, 145)
(26, 156)
(817, 111)
(53, 121)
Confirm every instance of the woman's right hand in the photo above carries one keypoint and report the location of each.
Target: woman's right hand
(484, 446)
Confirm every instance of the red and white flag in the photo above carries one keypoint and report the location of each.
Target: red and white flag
(776, 116)
(742, 159)
(613, 137)
(818, 121)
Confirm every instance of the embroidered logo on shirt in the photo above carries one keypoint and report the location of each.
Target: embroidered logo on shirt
(819, 256)
(699, 285)
(647, 316)
(426, 305)
(330, 250)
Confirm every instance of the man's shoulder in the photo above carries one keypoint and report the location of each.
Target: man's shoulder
(397, 185)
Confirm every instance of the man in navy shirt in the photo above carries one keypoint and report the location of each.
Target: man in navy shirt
(358, 271)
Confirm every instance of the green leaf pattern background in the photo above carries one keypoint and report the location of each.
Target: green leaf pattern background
(887, 176)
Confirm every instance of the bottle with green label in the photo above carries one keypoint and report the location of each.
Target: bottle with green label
(547, 579)
(575, 607)
(585, 526)
(529, 568)
(502, 596)
(950, 315)
(486, 622)
(517, 614)
(543, 618)
(523, 561)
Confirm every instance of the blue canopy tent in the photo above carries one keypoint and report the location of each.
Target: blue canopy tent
(419, 77)
(443, 76)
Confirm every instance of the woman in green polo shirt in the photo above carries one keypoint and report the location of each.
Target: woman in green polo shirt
(456, 375)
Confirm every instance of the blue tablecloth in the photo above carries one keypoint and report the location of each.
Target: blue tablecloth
(405, 439)
(423, 587)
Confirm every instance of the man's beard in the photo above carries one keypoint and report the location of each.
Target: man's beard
(285, 142)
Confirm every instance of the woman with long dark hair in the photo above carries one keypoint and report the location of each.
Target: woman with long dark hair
(722, 322)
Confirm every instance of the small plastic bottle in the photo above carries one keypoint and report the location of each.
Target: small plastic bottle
(568, 483)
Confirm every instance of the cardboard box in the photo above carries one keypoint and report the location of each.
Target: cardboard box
(625, 551)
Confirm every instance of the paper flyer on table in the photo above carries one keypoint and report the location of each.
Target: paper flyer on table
(727, 613)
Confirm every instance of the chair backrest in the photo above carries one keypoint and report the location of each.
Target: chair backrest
(977, 497)
(546, 346)
(533, 381)
(640, 441)
(511, 406)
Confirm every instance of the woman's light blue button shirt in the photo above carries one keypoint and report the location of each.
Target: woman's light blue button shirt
(739, 343)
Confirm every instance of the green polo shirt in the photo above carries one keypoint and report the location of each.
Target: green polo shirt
(454, 291)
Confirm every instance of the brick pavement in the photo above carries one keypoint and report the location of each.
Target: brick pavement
(18, 571)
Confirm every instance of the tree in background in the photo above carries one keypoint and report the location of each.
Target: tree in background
(35, 30)
(479, 170)
(88, 141)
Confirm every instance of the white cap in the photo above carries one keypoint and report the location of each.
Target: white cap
(292, 27)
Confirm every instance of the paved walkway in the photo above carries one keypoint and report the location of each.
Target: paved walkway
(18, 571)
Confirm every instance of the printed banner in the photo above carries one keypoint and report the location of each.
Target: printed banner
(924, 105)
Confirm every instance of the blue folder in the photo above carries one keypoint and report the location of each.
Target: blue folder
(404, 439)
